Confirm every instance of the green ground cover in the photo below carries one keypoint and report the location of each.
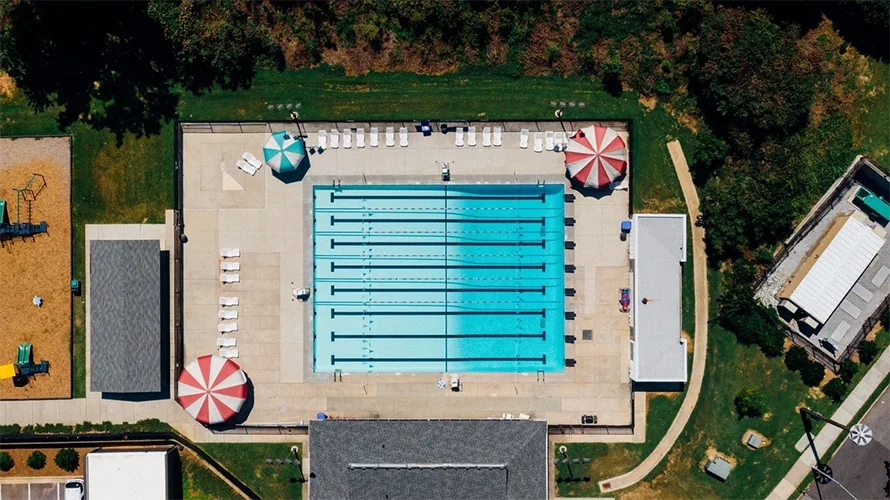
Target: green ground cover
(200, 483)
(247, 462)
(871, 122)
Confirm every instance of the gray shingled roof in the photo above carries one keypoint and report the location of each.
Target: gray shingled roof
(419, 459)
(125, 316)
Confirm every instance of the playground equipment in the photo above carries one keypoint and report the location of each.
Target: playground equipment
(35, 185)
(24, 366)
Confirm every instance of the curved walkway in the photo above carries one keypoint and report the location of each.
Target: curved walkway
(700, 276)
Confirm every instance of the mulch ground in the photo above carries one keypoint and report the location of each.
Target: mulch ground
(21, 469)
(37, 266)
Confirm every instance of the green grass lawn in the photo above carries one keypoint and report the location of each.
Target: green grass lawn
(200, 483)
(247, 462)
(871, 124)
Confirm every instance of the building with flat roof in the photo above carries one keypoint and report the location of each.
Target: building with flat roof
(125, 316)
(423, 459)
(135, 473)
(657, 254)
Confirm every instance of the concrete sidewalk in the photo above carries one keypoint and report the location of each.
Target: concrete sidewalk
(802, 468)
(700, 273)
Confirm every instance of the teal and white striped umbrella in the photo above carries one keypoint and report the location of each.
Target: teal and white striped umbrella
(283, 152)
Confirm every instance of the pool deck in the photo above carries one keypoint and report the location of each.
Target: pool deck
(269, 220)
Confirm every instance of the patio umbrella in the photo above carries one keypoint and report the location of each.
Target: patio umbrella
(283, 152)
(212, 389)
(596, 156)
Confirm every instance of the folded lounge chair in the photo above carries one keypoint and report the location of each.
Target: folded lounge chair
(347, 139)
(403, 137)
(360, 138)
(375, 137)
(548, 144)
(523, 139)
(227, 327)
(228, 301)
(226, 342)
(228, 353)
(249, 158)
(230, 314)
(229, 253)
(335, 138)
(229, 278)
(245, 167)
(322, 139)
(230, 266)
(390, 137)
(539, 142)
(497, 136)
(459, 137)
(486, 137)
(471, 137)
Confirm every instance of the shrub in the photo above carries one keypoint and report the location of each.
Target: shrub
(848, 370)
(37, 460)
(812, 374)
(750, 402)
(6, 461)
(868, 351)
(68, 459)
(796, 358)
(835, 389)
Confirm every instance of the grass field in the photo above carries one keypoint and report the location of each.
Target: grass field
(200, 483)
(247, 462)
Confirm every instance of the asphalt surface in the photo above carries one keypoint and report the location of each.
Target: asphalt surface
(863, 470)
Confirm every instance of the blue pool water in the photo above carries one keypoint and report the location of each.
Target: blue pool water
(465, 278)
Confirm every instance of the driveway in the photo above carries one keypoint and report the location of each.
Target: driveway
(863, 470)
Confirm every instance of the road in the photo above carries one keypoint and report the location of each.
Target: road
(863, 470)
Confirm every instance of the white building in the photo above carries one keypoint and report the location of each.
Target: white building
(133, 473)
(657, 253)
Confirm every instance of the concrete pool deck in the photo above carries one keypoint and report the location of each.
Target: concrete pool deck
(269, 220)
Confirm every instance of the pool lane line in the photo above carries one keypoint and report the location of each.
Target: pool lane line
(335, 266)
(334, 360)
(335, 220)
(335, 243)
(542, 313)
(517, 197)
(541, 289)
(335, 336)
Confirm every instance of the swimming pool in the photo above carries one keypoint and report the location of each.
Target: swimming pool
(438, 278)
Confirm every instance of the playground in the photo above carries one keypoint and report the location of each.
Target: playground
(35, 264)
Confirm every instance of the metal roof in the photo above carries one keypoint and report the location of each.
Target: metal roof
(428, 459)
(125, 316)
(658, 249)
(114, 475)
(833, 268)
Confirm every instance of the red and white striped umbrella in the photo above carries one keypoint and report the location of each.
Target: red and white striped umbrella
(212, 389)
(596, 156)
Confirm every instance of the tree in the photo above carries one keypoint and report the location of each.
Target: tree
(812, 374)
(707, 156)
(749, 69)
(868, 350)
(37, 460)
(6, 461)
(848, 370)
(835, 389)
(68, 459)
(796, 358)
(750, 402)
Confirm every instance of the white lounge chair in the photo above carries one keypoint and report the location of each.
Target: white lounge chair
(229, 278)
(228, 353)
(497, 136)
(245, 167)
(486, 137)
(229, 253)
(249, 158)
(230, 266)
(390, 137)
(347, 139)
(335, 138)
(375, 137)
(228, 301)
(471, 137)
(360, 138)
(226, 342)
(539, 142)
(459, 137)
(322, 139)
(548, 140)
(560, 139)
(230, 314)
(523, 138)
(227, 327)
(403, 137)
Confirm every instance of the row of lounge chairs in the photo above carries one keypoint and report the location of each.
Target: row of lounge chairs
(226, 313)
(471, 137)
(374, 138)
(548, 140)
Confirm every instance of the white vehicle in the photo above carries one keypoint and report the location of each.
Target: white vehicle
(74, 489)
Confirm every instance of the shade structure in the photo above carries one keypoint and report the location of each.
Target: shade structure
(283, 151)
(212, 389)
(596, 156)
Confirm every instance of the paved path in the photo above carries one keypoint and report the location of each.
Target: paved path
(700, 275)
(787, 487)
